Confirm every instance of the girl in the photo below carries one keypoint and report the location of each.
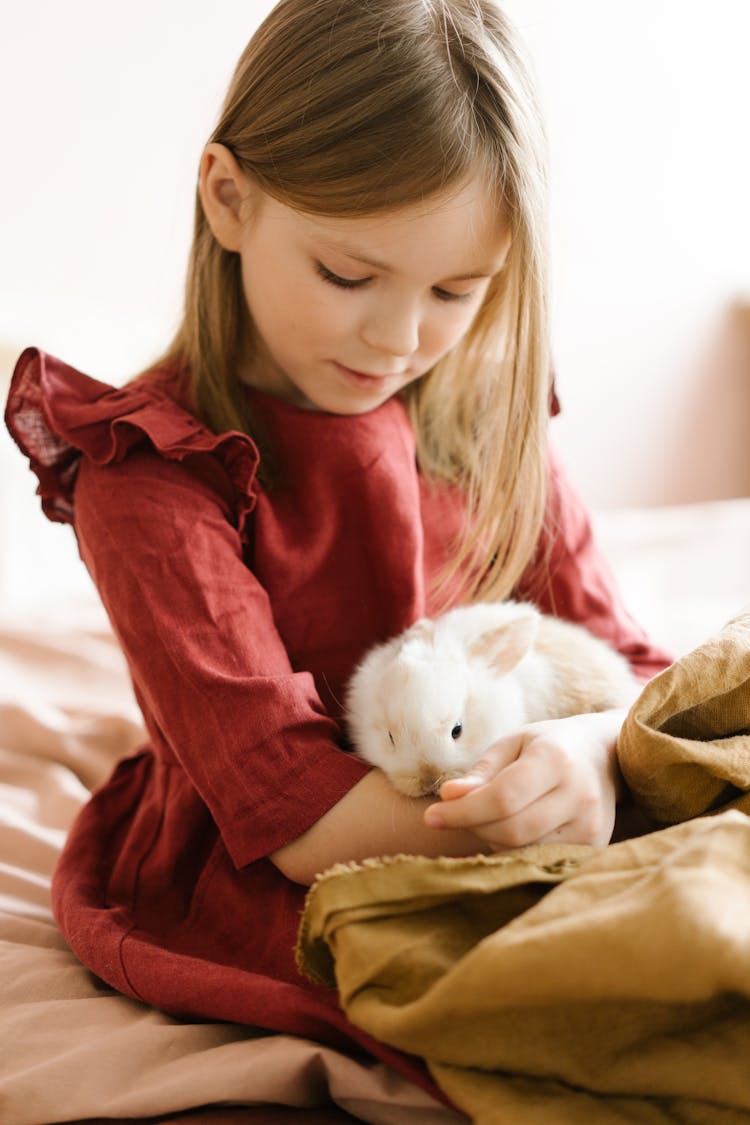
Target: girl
(348, 431)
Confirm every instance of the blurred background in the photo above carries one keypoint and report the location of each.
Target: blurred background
(105, 109)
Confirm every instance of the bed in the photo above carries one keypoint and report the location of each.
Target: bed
(72, 1049)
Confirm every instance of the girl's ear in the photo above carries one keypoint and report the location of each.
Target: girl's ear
(224, 189)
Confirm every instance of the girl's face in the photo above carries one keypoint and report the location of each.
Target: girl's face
(347, 311)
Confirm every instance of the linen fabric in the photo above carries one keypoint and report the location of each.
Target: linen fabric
(553, 987)
(685, 747)
(241, 611)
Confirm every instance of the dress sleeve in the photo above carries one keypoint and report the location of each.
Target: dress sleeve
(569, 577)
(209, 668)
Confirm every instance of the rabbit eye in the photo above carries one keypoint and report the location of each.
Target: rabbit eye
(456, 732)
(391, 739)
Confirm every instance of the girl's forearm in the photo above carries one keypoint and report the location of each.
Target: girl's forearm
(372, 819)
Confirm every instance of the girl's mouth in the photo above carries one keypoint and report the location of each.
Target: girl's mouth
(365, 378)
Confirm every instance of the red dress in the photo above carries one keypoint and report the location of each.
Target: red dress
(241, 612)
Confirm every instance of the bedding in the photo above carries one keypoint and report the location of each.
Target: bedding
(71, 1048)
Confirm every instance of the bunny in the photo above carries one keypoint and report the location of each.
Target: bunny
(426, 705)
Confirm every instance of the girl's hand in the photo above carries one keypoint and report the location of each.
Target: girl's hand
(556, 781)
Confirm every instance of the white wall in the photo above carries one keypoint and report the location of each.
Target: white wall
(648, 107)
(105, 109)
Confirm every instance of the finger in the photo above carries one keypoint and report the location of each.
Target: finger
(506, 794)
(546, 820)
(459, 787)
(591, 824)
(588, 820)
(496, 758)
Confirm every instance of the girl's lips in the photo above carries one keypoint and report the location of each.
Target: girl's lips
(367, 375)
(359, 374)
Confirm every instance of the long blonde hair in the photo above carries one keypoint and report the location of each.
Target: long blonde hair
(345, 108)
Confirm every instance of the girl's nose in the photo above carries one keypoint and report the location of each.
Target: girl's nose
(393, 330)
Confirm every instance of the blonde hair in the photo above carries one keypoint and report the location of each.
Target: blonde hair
(345, 108)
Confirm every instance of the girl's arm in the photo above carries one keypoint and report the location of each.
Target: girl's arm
(552, 781)
(218, 692)
(210, 671)
(372, 819)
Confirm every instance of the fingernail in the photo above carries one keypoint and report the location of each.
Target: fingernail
(433, 819)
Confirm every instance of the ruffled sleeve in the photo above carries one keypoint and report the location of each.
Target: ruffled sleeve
(56, 415)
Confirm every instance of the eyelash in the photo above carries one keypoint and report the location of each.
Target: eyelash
(348, 283)
(339, 282)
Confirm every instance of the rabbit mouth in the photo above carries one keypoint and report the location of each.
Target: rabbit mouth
(425, 784)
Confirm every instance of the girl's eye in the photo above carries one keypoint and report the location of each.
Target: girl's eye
(341, 282)
(445, 295)
(357, 283)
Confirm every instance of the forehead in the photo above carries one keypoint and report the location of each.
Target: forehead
(463, 231)
(439, 684)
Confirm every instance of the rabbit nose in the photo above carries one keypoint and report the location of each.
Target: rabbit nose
(428, 777)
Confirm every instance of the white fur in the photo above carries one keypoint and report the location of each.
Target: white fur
(491, 668)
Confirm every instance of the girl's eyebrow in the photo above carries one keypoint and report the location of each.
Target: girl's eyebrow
(476, 275)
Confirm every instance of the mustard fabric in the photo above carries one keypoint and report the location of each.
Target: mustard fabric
(684, 747)
(562, 984)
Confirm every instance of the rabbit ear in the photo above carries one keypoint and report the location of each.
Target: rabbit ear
(422, 630)
(503, 646)
(421, 633)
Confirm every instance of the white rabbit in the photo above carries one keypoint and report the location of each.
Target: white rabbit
(426, 705)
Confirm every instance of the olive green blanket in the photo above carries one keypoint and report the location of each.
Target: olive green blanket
(567, 984)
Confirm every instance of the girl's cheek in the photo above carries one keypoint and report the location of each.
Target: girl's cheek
(451, 330)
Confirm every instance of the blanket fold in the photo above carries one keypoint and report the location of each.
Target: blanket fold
(683, 748)
(567, 984)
